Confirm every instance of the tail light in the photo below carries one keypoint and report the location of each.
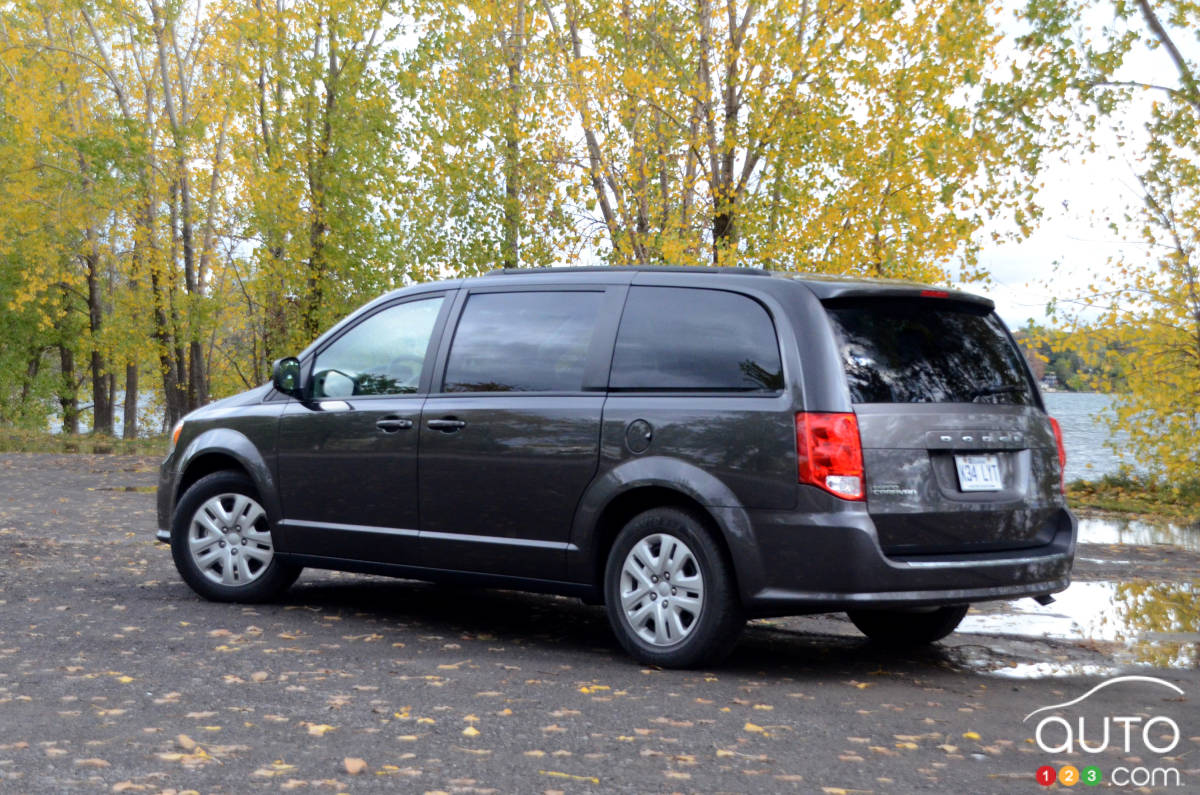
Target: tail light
(829, 453)
(1062, 454)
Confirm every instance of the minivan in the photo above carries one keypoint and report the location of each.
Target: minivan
(689, 447)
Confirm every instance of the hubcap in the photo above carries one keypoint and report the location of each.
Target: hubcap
(225, 555)
(661, 590)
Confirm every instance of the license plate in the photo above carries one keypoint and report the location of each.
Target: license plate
(978, 472)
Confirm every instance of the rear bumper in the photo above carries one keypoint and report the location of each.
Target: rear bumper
(826, 562)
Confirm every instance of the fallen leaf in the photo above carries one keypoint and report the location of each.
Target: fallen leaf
(93, 762)
(571, 776)
(354, 765)
(589, 689)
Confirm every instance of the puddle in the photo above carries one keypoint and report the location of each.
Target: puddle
(997, 659)
(1139, 622)
(1044, 670)
(1139, 533)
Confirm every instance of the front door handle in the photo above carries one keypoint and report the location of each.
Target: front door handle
(393, 424)
(448, 425)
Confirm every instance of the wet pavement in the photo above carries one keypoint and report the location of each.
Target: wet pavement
(114, 677)
(1134, 601)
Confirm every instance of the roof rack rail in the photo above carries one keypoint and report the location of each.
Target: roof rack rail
(732, 270)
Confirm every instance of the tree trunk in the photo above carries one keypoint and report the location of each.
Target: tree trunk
(129, 428)
(512, 143)
(31, 374)
(172, 394)
(68, 394)
(110, 384)
(722, 230)
(318, 228)
(197, 376)
(102, 410)
(191, 369)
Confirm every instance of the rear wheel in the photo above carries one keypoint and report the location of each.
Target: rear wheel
(669, 592)
(221, 542)
(915, 627)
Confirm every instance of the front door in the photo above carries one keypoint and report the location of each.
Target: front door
(512, 440)
(348, 454)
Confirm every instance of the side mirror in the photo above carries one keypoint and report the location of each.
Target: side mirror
(285, 374)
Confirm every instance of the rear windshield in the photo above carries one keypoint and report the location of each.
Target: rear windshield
(898, 351)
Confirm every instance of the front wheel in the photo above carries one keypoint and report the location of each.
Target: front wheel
(908, 627)
(221, 542)
(669, 592)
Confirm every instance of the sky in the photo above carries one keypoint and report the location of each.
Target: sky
(1073, 244)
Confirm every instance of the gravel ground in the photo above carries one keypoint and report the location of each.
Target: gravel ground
(114, 677)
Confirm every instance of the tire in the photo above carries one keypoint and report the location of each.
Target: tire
(900, 628)
(704, 625)
(205, 556)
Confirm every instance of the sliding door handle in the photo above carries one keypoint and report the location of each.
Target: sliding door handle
(447, 424)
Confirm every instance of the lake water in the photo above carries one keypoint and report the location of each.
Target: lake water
(1085, 434)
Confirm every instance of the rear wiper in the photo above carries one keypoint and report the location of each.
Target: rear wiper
(997, 389)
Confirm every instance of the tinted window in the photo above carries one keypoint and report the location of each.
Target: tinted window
(927, 352)
(522, 342)
(682, 338)
(382, 355)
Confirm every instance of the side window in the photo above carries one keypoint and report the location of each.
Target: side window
(678, 338)
(382, 355)
(523, 342)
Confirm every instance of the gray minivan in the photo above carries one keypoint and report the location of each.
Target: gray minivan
(688, 446)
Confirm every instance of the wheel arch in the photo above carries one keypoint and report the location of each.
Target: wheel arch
(224, 449)
(206, 464)
(644, 483)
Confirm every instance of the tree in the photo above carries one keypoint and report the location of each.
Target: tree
(798, 134)
(190, 189)
(489, 180)
(1083, 65)
(317, 168)
(57, 189)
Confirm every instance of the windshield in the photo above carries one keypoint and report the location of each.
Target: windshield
(929, 351)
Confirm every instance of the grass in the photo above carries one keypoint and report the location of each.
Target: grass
(13, 440)
(1125, 492)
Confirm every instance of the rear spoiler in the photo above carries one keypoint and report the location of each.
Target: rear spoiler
(833, 289)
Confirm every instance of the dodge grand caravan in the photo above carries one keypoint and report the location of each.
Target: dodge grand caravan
(689, 447)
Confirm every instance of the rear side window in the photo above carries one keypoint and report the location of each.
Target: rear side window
(675, 338)
(927, 352)
(523, 342)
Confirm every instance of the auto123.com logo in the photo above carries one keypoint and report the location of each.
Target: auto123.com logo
(1063, 729)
